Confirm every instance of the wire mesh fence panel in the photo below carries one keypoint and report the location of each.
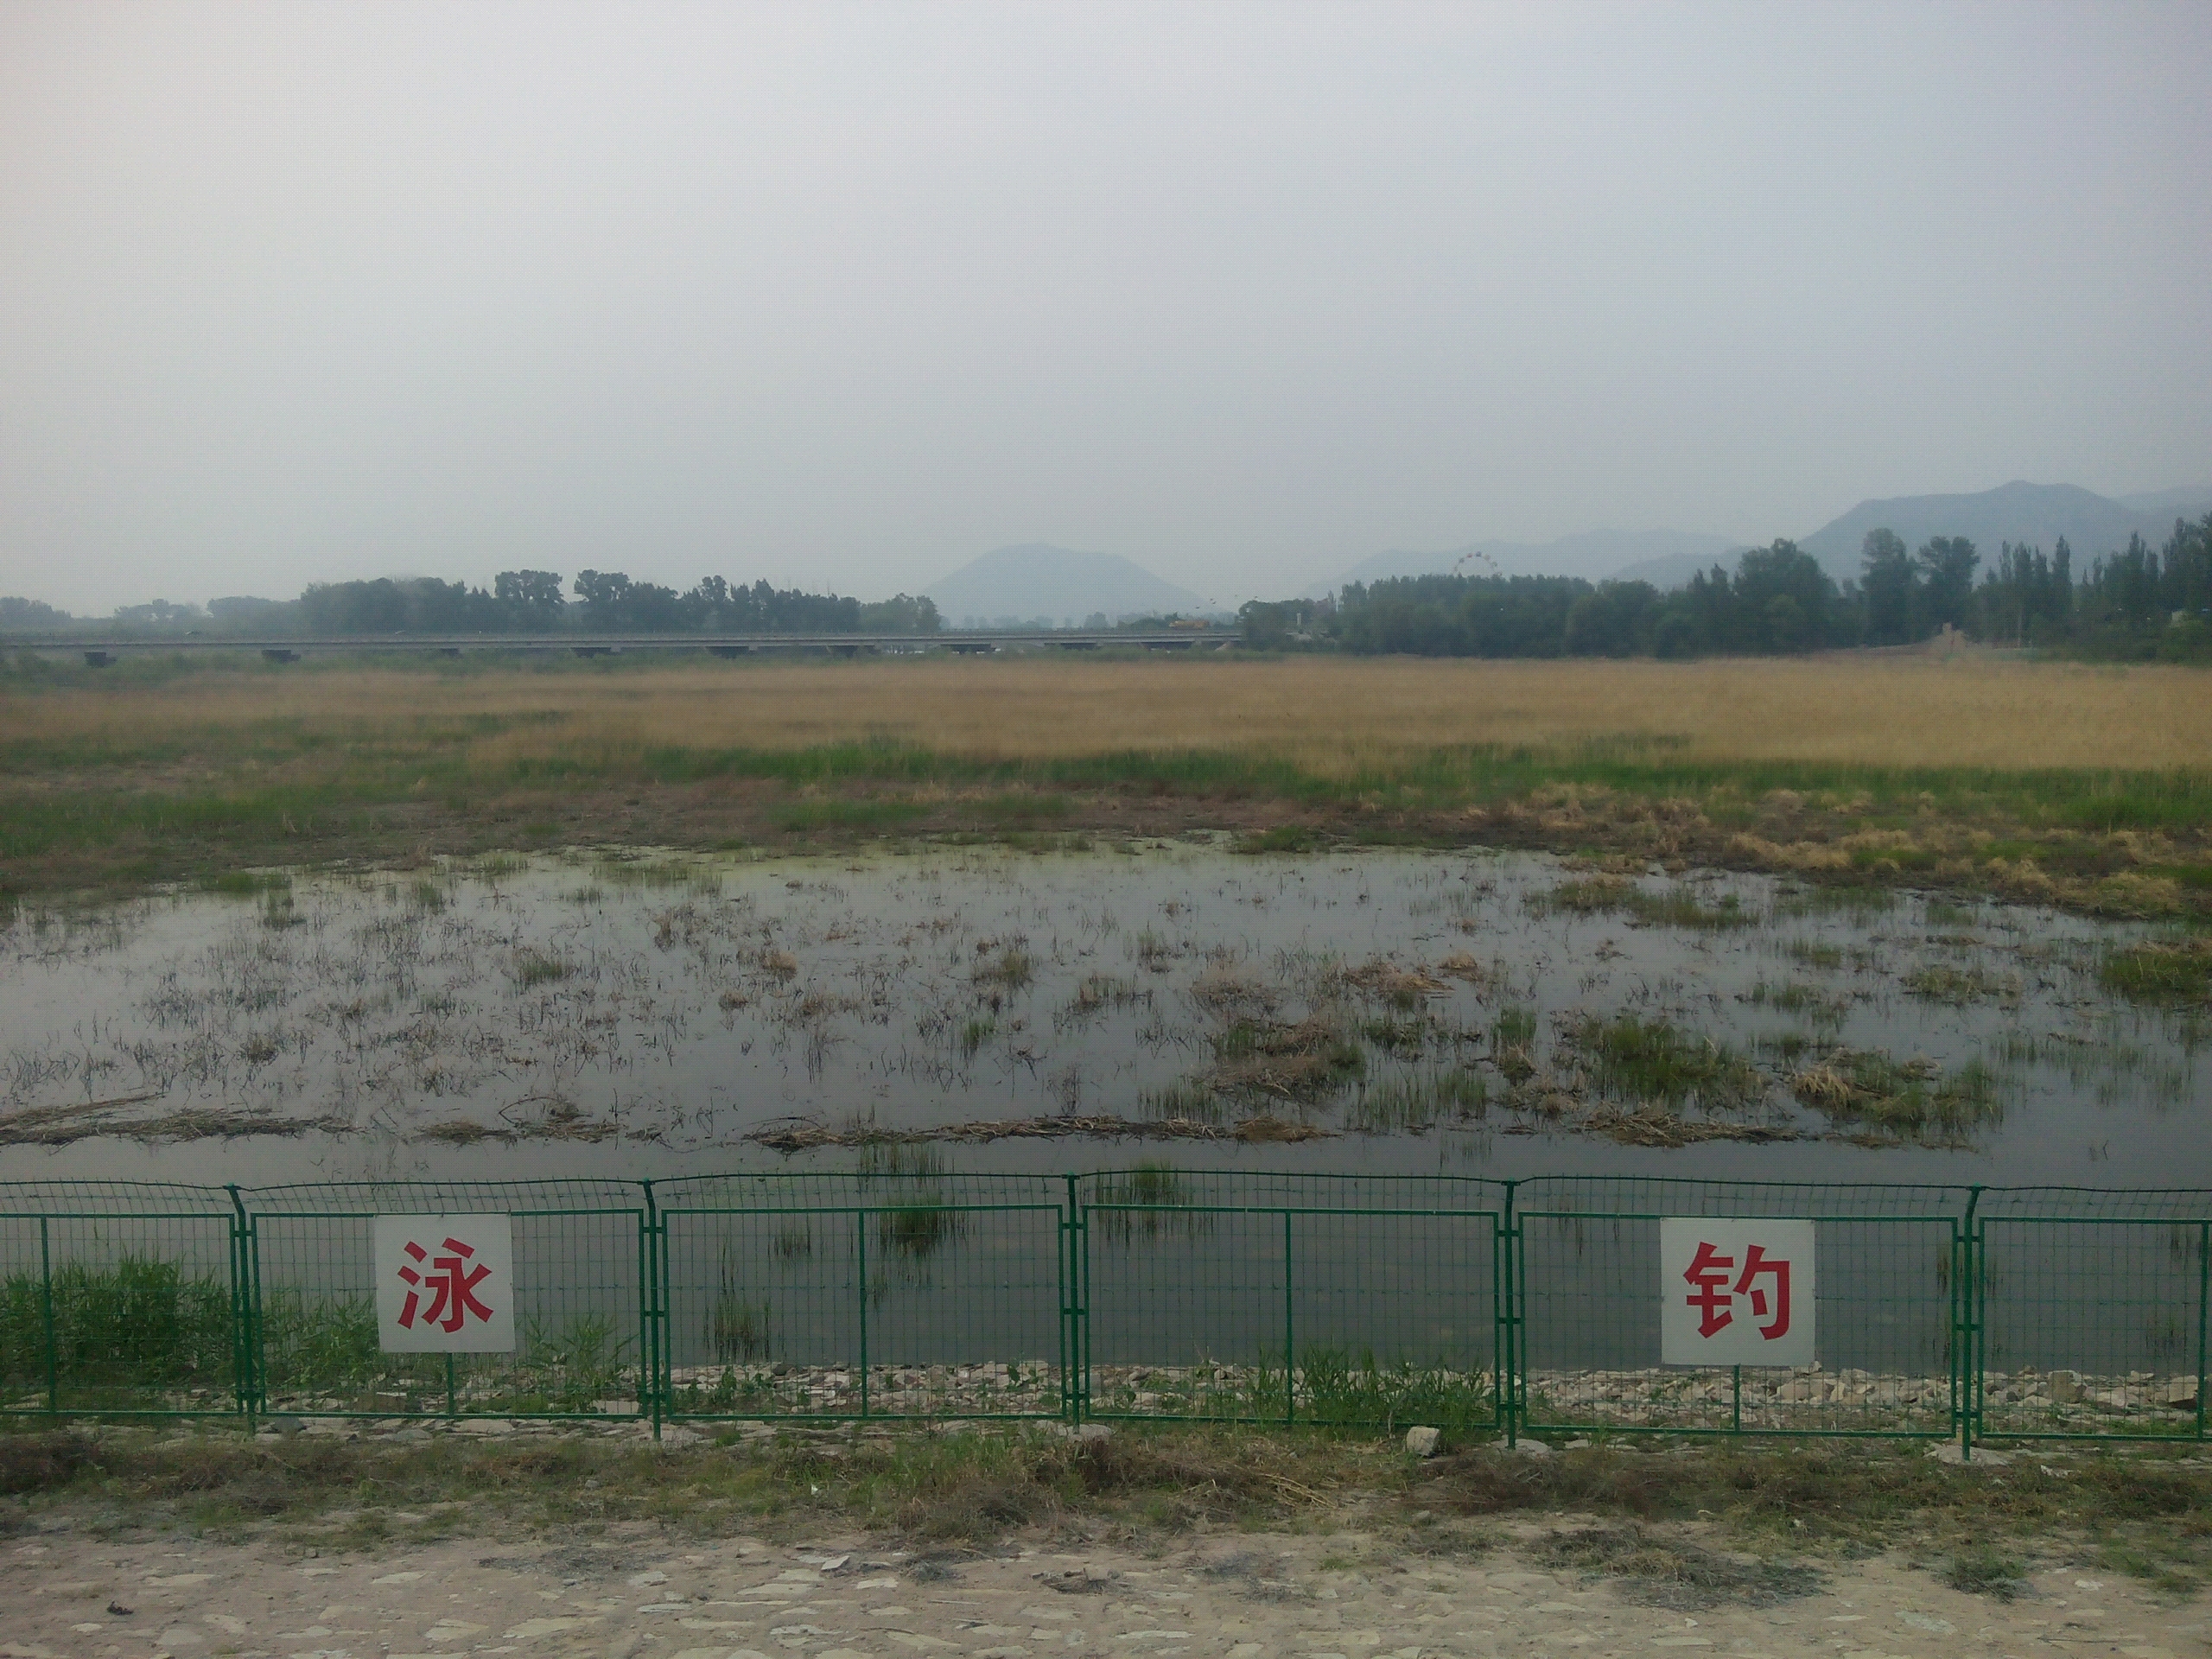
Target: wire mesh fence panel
(905, 1289)
(1393, 1317)
(903, 1176)
(130, 1311)
(1187, 1311)
(1589, 1293)
(1270, 1189)
(1377, 1294)
(918, 1308)
(581, 1298)
(2094, 1323)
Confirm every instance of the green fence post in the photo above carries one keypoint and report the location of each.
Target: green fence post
(1507, 1340)
(1082, 1252)
(860, 1219)
(241, 1316)
(651, 1310)
(648, 1294)
(256, 1336)
(1067, 1308)
(1972, 1334)
(45, 1300)
(2203, 1305)
(1289, 1344)
(1735, 1401)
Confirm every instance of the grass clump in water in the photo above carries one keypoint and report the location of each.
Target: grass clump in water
(1678, 907)
(1010, 969)
(915, 1224)
(1192, 1101)
(1814, 953)
(2158, 971)
(533, 967)
(1098, 993)
(1419, 1101)
(1908, 1098)
(1953, 987)
(1513, 1043)
(1304, 1061)
(1148, 1199)
(1651, 1061)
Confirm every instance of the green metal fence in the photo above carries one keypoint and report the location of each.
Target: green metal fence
(1483, 1306)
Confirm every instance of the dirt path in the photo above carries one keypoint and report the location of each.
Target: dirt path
(633, 1594)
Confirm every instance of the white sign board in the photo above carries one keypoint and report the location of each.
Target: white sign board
(445, 1284)
(1735, 1292)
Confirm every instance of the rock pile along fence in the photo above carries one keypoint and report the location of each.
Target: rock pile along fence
(1485, 1308)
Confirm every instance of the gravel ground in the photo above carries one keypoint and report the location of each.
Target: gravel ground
(632, 1592)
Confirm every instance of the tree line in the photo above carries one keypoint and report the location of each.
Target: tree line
(518, 603)
(605, 601)
(2140, 603)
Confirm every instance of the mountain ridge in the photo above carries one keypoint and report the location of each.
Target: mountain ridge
(1033, 580)
(2018, 511)
(1594, 555)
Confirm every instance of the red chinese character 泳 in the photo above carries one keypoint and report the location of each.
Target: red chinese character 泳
(451, 1284)
(1708, 1275)
(1757, 1264)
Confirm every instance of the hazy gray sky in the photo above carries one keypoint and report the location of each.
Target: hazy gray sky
(843, 296)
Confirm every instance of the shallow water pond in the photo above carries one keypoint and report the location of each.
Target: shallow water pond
(1470, 1013)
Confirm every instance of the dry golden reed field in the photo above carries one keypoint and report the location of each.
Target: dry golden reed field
(1329, 714)
(2040, 779)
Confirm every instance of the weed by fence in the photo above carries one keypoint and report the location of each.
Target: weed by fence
(1480, 1306)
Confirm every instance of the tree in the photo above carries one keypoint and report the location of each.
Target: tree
(900, 613)
(605, 595)
(1784, 571)
(16, 612)
(530, 599)
(1886, 581)
(1947, 566)
(1613, 621)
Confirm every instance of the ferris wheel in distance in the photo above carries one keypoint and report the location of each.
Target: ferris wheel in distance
(1459, 564)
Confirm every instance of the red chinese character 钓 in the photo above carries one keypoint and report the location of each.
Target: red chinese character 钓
(1713, 1295)
(1758, 1265)
(451, 1284)
(1708, 1275)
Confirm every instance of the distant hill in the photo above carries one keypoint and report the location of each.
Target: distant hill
(1676, 568)
(2037, 514)
(2192, 501)
(1652, 555)
(1036, 581)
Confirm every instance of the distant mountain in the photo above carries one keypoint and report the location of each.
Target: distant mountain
(1595, 554)
(2037, 514)
(2192, 501)
(1035, 580)
(1676, 568)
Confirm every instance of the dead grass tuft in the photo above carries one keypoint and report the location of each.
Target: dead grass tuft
(32, 1463)
(1674, 1573)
